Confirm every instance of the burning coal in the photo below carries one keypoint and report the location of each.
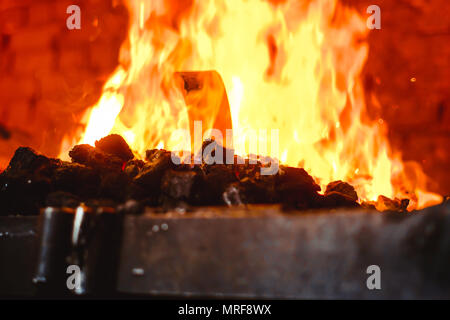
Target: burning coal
(109, 175)
(291, 66)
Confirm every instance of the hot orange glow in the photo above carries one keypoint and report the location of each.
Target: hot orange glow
(289, 65)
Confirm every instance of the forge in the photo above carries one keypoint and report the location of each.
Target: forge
(215, 149)
(234, 253)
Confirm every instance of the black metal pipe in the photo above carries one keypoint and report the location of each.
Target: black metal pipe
(55, 225)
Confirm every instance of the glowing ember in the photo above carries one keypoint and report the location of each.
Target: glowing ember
(292, 66)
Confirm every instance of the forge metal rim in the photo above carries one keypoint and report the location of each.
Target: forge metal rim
(265, 254)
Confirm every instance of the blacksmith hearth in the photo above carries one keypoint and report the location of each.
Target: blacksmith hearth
(224, 149)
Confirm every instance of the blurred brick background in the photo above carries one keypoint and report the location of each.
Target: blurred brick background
(408, 71)
(49, 75)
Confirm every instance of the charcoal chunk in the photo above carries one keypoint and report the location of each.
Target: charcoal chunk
(256, 188)
(95, 158)
(158, 161)
(208, 152)
(247, 169)
(113, 185)
(291, 178)
(211, 182)
(296, 188)
(25, 183)
(343, 188)
(385, 204)
(133, 167)
(26, 162)
(81, 153)
(178, 184)
(77, 179)
(368, 205)
(115, 145)
(334, 199)
(177, 188)
(337, 194)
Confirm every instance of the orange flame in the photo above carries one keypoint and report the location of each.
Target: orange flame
(289, 65)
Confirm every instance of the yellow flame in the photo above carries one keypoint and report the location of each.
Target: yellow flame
(292, 66)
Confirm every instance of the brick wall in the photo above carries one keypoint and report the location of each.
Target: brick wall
(414, 42)
(49, 74)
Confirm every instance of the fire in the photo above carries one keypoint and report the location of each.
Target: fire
(287, 65)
